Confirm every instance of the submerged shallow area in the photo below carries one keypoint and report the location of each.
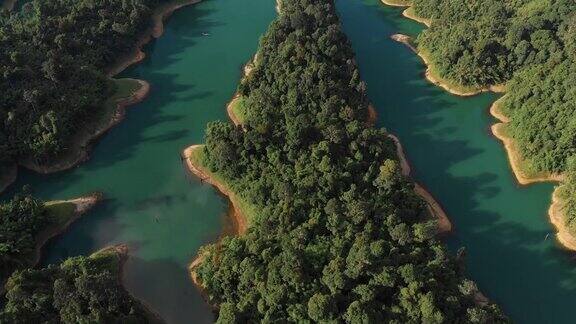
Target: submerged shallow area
(151, 203)
(511, 250)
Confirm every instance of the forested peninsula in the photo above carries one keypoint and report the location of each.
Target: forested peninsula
(528, 46)
(335, 231)
(58, 95)
(26, 224)
(80, 290)
(55, 76)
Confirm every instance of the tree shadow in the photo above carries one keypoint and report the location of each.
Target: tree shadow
(512, 254)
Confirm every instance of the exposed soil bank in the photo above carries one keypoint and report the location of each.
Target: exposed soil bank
(80, 146)
(514, 156)
(444, 224)
(499, 130)
(155, 31)
(205, 176)
(556, 213)
(435, 79)
(248, 68)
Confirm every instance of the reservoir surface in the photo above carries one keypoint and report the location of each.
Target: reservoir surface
(511, 250)
(151, 202)
(166, 215)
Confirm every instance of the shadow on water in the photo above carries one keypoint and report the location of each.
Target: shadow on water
(164, 215)
(447, 139)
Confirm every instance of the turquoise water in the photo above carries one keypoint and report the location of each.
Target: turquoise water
(151, 203)
(449, 144)
(166, 215)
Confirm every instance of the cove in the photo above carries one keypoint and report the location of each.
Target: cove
(448, 142)
(151, 202)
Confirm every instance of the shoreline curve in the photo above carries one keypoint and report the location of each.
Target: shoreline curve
(434, 207)
(240, 220)
(556, 215)
(513, 154)
(122, 251)
(137, 56)
(438, 81)
(566, 239)
(81, 204)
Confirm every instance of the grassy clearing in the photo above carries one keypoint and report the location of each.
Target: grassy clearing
(60, 213)
(238, 108)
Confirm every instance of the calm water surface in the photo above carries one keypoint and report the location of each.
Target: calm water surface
(151, 204)
(448, 142)
(166, 217)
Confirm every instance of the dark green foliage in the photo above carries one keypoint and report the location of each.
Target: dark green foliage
(21, 219)
(52, 64)
(81, 290)
(340, 236)
(531, 46)
(484, 42)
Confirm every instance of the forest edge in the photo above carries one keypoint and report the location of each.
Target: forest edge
(515, 159)
(82, 142)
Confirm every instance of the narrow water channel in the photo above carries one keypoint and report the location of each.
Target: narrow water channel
(448, 142)
(151, 204)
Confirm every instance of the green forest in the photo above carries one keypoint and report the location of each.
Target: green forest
(53, 65)
(530, 46)
(80, 290)
(53, 70)
(21, 219)
(340, 235)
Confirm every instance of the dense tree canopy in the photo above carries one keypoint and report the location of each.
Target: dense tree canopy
(81, 290)
(21, 219)
(52, 64)
(340, 235)
(531, 46)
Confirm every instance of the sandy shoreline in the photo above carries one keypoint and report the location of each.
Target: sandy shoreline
(240, 219)
(498, 130)
(557, 219)
(82, 143)
(436, 80)
(514, 155)
(444, 224)
(80, 151)
(82, 205)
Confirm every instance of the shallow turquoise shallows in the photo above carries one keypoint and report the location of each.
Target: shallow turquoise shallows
(503, 226)
(151, 203)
